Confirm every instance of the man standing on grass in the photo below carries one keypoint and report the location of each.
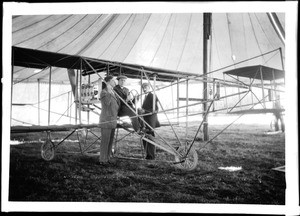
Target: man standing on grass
(151, 119)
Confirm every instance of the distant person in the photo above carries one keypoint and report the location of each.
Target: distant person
(124, 110)
(278, 115)
(151, 119)
(108, 118)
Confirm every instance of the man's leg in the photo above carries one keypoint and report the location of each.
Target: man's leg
(105, 138)
(125, 111)
(151, 149)
(111, 140)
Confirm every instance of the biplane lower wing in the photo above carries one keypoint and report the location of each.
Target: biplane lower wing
(52, 128)
(56, 128)
(257, 111)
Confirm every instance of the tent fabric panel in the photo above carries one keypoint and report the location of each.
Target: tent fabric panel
(87, 37)
(58, 44)
(192, 56)
(166, 41)
(164, 47)
(238, 43)
(267, 39)
(31, 32)
(131, 37)
(107, 38)
(221, 54)
(50, 40)
(144, 50)
(44, 40)
(237, 37)
(110, 51)
(22, 22)
(180, 30)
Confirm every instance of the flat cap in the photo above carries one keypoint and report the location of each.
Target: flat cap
(145, 84)
(121, 77)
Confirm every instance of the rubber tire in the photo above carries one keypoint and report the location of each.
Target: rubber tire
(191, 160)
(47, 150)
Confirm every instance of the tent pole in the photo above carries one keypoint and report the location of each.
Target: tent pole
(172, 93)
(239, 92)
(76, 96)
(71, 99)
(263, 89)
(225, 93)
(141, 89)
(214, 90)
(11, 85)
(251, 92)
(282, 64)
(49, 99)
(154, 95)
(187, 110)
(177, 100)
(274, 95)
(206, 36)
(80, 91)
(39, 108)
(68, 104)
(88, 111)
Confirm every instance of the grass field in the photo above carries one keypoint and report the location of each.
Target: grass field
(77, 177)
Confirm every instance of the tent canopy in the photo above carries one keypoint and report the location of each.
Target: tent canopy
(171, 42)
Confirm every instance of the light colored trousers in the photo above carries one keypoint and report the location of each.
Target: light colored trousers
(107, 138)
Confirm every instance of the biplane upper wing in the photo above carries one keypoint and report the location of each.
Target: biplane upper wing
(32, 58)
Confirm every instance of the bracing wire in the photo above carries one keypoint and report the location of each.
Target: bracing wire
(52, 97)
(209, 141)
(65, 112)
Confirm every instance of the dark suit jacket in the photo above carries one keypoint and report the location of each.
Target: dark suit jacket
(123, 93)
(152, 120)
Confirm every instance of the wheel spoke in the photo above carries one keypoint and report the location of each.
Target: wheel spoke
(191, 159)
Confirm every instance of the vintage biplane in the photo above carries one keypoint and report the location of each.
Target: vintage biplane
(261, 82)
(105, 44)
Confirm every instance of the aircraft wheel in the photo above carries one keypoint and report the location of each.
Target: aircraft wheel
(47, 150)
(190, 162)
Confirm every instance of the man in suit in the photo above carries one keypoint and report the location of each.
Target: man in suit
(124, 110)
(108, 118)
(151, 119)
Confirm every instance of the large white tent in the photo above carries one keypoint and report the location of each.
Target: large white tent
(166, 41)
(172, 41)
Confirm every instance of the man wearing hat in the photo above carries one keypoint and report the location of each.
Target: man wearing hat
(151, 119)
(124, 110)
